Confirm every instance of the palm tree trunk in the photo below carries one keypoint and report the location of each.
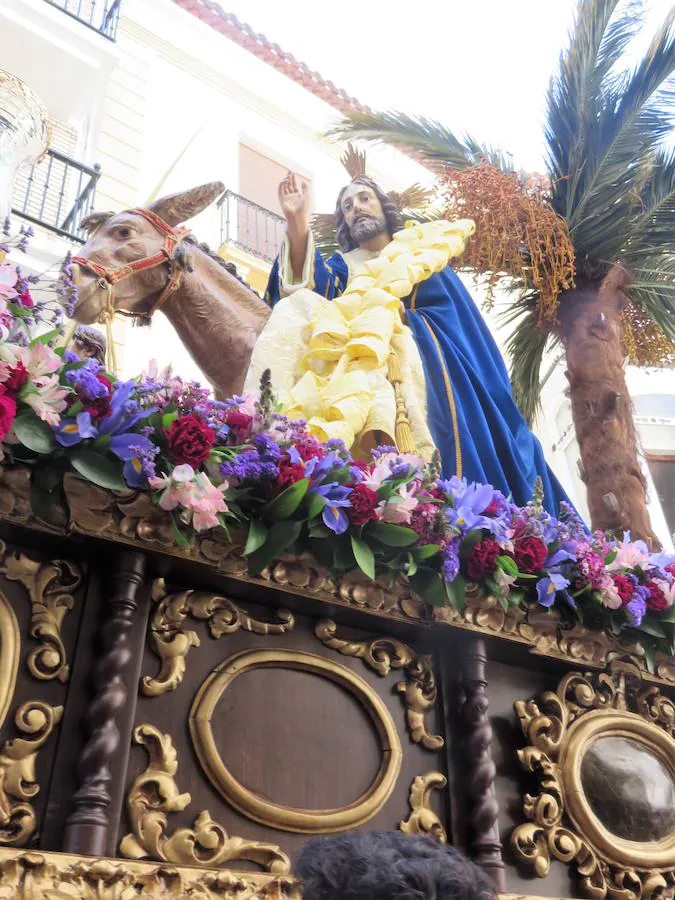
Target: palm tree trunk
(602, 411)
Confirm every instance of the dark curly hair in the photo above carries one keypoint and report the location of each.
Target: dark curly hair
(392, 216)
(388, 865)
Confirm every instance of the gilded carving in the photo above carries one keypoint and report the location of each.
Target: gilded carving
(264, 810)
(154, 794)
(382, 654)
(422, 818)
(50, 586)
(130, 518)
(60, 876)
(10, 652)
(172, 642)
(562, 824)
(18, 819)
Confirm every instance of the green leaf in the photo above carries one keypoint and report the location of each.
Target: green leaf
(668, 615)
(515, 597)
(279, 538)
(469, 542)
(430, 586)
(33, 433)
(507, 564)
(287, 502)
(319, 530)
(611, 556)
(455, 591)
(257, 534)
(652, 628)
(392, 535)
(167, 419)
(364, 556)
(98, 469)
(178, 535)
(315, 505)
(426, 551)
(45, 338)
(412, 565)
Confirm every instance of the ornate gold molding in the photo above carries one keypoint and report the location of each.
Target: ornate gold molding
(60, 876)
(18, 819)
(422, 818)
(562, 824)
(50, 586)
(171, 641)
(154, 793)
(382, 654)
(10, 653)
(130, 518)
(263, 810)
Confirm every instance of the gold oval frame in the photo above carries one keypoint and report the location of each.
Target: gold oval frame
(275, 815)
(10, 651)
(608, 846)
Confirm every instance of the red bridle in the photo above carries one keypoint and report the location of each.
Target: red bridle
(109, 277)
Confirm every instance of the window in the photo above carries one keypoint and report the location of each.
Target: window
(662, 469)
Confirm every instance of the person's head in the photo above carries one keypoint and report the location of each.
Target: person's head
(363, 212)
(388, 865)
(88, 343)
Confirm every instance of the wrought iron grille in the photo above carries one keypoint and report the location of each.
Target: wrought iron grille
(56, 194)
(99, 15)
(250, 227)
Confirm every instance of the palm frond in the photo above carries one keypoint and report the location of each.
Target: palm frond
(434, 145)
(653, 289)
(525, 348)
(323, 229)
(654, 220)
(603, 128)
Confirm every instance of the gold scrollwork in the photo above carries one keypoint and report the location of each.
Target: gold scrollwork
(562, 824)
(171, 641)
(62, 876)
(18, 819)
(263, 810)
(382, 654)
(422, 818)
(50, 586)
(154, 793)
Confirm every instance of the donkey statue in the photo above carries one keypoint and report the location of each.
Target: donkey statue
(139, 261)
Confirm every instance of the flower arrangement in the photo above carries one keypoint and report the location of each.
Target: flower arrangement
(212, 464)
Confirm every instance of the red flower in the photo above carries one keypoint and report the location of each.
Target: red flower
(7, 412)
(624, 588)
(309, 447)
(671, 569)
(483, 558)
(289, 474)
(18, 376)
(657, 600)
(492, 509)
(190, 441)
(240, 425)
(26, 300)
(530, 554)
(364, 500)
(99, 408)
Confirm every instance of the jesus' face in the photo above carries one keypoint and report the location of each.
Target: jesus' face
(363, 213)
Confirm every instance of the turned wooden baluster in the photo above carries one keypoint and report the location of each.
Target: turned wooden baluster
(484, 842)
(87, 826)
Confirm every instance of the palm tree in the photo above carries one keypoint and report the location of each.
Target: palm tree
(612, 185)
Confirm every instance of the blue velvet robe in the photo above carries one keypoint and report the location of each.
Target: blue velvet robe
(472, 416)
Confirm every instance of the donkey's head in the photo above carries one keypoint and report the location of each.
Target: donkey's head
(129, 259)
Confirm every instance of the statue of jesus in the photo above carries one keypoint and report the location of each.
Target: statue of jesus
(467, 405)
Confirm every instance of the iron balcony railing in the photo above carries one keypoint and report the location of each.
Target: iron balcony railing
(56, 193)
(250, 227)
(99, 15)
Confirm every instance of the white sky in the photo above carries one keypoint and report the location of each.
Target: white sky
(479, 66)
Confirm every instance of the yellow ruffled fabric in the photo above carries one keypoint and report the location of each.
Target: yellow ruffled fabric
(330, 360)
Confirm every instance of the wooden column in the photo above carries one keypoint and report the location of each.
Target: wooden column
(87, 826)
(483, 809)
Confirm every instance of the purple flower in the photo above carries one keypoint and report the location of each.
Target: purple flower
(268, 449)
(470, 502)
(636, 608)
(450, 560)
(548, 587)
(138, 455)
(85, 382)
(71, 431)
(317, 470)
(249, 465)
(337, 499)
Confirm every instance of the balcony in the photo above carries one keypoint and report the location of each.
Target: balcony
(99, 15)
(56, 194)
(250, 227)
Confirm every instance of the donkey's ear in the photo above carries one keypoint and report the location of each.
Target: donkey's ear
(177, 208)
(93, 221)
